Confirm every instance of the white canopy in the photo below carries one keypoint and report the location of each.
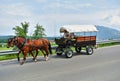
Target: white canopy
(78, 28)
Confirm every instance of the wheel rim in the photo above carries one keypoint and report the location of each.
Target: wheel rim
(69, 54)
(78, 49)
(59, 51)
(90, 51)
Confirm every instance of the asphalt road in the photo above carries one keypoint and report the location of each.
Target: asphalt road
(103, 65)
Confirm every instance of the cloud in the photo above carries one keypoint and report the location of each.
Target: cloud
(16, 9)
(42, 1)
(110, 17)
(62, 6)
(12, 15)
(114, 20)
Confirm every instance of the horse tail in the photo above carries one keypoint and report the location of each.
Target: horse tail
(50, 49)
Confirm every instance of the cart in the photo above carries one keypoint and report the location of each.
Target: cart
(76, 36)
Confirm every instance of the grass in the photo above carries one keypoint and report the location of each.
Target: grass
(5, 48)
(6, 57)
(109, 44)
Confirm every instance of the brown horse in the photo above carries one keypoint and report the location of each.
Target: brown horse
(44, 45)
(10, 43)
(29, 45)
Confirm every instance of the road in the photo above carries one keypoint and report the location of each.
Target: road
(103, 65)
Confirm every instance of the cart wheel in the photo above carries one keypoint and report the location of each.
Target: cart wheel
(89, 50)
(78, 49)
(59, 51)
(69, 53)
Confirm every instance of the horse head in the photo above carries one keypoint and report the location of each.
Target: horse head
(10, 42)
(19, 41)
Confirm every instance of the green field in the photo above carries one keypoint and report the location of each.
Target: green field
(5, 48)
(109, 44)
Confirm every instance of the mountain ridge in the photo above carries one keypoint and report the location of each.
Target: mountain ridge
(106, 33)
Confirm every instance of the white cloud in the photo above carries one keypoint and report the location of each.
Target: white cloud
(114, 20)
(15, 10)
(12, 15)
(109, 17)
(42, 1)
(64, 6)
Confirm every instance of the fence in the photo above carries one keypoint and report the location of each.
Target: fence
(7, 52)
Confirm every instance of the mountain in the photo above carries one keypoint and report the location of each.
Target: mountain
(6, 37)
(106, 33)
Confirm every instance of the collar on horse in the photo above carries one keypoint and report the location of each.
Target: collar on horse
(24, 42)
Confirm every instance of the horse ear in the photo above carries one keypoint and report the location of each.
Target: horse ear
(14, 37)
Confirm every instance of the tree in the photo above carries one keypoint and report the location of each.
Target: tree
(22, 30)
(39, 32)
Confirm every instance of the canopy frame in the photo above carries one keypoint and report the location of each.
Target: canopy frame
(78, 28)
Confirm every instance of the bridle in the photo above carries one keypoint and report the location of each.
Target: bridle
(10, 42)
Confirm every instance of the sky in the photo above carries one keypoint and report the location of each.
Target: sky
(53, 14)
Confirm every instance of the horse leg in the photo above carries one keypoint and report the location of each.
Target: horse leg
(47, 54)
(43, 53)
(50, 49)
(18, 56)
(31, 53)
(35, 56)
(24, 58)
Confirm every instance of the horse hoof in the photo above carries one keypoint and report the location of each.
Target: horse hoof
(35, 60)
(46, 59)
(21, 63)
(18, 60)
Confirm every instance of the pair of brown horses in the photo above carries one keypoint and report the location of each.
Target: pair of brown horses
(28, 46)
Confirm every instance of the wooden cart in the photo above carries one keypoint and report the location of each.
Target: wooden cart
(77, 36)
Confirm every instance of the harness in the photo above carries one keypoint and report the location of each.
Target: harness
(24, 42)
(21, 45)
